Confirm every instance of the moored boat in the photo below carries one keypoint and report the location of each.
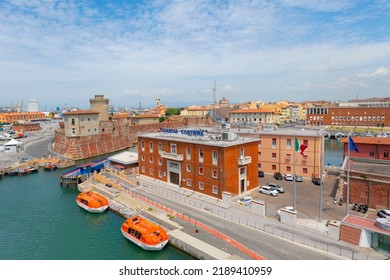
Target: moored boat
(92, 202)
(27, 170)
(144, 233)
(50, 166)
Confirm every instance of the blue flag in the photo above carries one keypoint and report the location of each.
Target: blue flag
(352, 146)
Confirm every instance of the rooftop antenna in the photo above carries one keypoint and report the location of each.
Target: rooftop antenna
(215, 94)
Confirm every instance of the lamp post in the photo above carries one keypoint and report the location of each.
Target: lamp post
(321, 159)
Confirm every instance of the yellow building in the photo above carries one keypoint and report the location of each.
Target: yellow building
(21, 117)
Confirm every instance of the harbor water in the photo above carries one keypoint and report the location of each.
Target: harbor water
(333, 152)
(41, 221)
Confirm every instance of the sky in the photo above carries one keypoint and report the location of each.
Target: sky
(64, 52)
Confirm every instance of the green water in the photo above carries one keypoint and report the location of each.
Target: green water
(39, 220)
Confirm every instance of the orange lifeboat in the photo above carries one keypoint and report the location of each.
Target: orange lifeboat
(144, 233)
(92, 202)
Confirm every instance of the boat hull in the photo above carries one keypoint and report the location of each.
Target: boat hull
(90, 209)
(144, 246)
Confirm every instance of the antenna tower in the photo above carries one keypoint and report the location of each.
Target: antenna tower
(215, 94)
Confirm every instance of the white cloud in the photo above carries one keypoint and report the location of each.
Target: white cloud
(381, 73)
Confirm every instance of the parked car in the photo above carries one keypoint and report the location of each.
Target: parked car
(298, 178)
(384, 213)
(246, 200)
(288, 177)
(279, 188)
(268, 190)
(261, 173)
(316, 180)
(278, 176)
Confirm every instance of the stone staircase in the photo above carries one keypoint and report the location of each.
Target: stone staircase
(132, 203)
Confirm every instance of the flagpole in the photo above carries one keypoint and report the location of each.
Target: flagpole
(348, 155)
(294, 189)
(321, 160)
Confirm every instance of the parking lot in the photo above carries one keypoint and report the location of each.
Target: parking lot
(307, 198)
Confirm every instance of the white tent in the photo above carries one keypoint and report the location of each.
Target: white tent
(12, 146)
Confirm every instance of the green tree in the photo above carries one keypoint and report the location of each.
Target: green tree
(172, 111)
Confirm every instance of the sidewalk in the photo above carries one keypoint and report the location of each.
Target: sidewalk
(306, 232)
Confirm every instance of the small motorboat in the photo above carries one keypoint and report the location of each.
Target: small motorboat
(92, 202)
(49, 166)
(144, 233)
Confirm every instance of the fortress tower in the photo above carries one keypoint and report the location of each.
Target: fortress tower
(100, 104)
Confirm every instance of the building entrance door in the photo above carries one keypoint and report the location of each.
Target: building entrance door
(242, 185)
(174, 178)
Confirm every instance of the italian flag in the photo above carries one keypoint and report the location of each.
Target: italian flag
(299, 147)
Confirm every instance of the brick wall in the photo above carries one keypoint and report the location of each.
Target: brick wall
(112, 137)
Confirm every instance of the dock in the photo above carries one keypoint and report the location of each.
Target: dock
(81, 173)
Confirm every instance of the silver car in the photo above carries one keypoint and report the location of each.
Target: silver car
(277, 187)
(268, 190)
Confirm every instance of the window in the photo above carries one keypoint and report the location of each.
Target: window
(273, 142)
(143, 169)
(188, 153)
(273, 166)
(73, 131)
(159, 161)
(259, 165)
(259, 142)
(288, 144)
(142, 158)
(288, 168)
(215, 189)
(143, 145)
(215, 174)
(242, 171)
(188, 168)
(304, 170)
(288, 156)
(151, 159)
(201, 171)
(159, 147)
(259, 154)
(160, 174)
(151, 146)
(173, 149)
(201, 186)
(73, 121)
(215, 157)
(151, 171)
(386, 154)
(305, 142)
(200, 155)
(372, 153)
(189, 182)
(242, 152)
(273, 155)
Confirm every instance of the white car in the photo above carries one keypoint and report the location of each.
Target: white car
(289, 177)
(246, 200)
(268, 190)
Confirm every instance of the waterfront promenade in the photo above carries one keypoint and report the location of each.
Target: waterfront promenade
(233, 230)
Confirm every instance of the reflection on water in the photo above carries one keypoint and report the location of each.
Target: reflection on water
(333, 152)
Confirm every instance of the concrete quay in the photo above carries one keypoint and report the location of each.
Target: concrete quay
(123, 204)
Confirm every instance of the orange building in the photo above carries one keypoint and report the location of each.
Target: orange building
(276, 150)
(21, 117)
(206, 163)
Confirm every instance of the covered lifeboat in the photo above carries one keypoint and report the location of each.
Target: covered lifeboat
(92, 202)
(144, 233)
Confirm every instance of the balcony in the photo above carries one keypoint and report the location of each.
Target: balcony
(244, 160)
(176, 157)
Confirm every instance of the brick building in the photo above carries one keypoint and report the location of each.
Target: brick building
(369, 148)
(206, 163)
(26, 127)
(349, 116)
